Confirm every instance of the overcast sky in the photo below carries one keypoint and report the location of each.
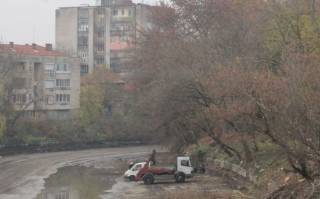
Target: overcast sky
(28, 21)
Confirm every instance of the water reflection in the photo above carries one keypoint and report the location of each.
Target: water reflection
(77, 183)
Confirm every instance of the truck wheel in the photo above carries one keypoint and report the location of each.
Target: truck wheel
(180, 178)
(148, 179)
(131, 178)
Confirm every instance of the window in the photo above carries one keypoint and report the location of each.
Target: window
(83, 42)
(63, 83)
(83, 56)
(62, 195)
(49, 84)
(115, 12)
(129, 12)
(19, 99)
(49, 69)
(58, 67)
(21, 66)
(101, 33)
(185, 163)
(100, 46)
(50, 99)
(62, 67)
(122, 11)
(49, 66)
(83, 27)
(63, 98)
(99, 60)
(136, 168)
(84, 69)
(51, 73)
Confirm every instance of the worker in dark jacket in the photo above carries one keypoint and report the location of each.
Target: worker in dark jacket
(152, 158)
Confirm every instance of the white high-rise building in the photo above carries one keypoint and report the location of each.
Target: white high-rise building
(102, 36)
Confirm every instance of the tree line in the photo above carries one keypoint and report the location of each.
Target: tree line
(240, 72)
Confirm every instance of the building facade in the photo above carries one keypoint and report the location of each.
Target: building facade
(45, 82)
(84, 32)
(102, 35)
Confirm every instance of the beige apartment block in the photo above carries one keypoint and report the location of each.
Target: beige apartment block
(104, 35)
(84, 32)
(45, 83)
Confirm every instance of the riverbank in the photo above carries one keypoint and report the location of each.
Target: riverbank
(23, 176)
(59, 147)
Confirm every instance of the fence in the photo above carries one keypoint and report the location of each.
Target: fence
(246, 173)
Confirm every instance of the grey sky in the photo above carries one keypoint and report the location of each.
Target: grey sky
(27, 21)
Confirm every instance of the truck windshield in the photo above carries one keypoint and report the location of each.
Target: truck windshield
(137, 167)
(185, 163)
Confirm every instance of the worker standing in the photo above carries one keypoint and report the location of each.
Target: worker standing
(152, 158)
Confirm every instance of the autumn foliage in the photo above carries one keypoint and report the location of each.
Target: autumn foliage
(230, 69)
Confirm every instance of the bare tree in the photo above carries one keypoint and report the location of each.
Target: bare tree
(233, 69)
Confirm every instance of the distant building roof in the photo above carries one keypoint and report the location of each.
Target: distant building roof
(110, 3)
(32, 50)
(118, 5)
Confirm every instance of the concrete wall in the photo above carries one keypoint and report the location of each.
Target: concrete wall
(143, 16)
(91, 40)
(107, 37)
(66, 30)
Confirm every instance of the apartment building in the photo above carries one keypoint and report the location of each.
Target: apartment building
(45, 82)
(127, 21)
(84, 32)
(102, 35)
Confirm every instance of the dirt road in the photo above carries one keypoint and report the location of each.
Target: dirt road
(23, 176)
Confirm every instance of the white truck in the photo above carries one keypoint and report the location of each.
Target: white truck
(182, 170)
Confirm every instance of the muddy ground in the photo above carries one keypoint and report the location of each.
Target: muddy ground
(22, 176)
(95, 174)
(219, 183)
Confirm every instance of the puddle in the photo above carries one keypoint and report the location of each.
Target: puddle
(78, 183)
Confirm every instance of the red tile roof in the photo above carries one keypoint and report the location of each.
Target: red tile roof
(32, 50)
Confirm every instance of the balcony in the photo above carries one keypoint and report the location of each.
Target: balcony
(63, 88)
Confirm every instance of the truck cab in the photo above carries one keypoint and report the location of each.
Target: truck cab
(184, 166)
(131, 173)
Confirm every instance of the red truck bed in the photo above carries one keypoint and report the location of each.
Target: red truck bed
(159, 170)
(155, 170)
